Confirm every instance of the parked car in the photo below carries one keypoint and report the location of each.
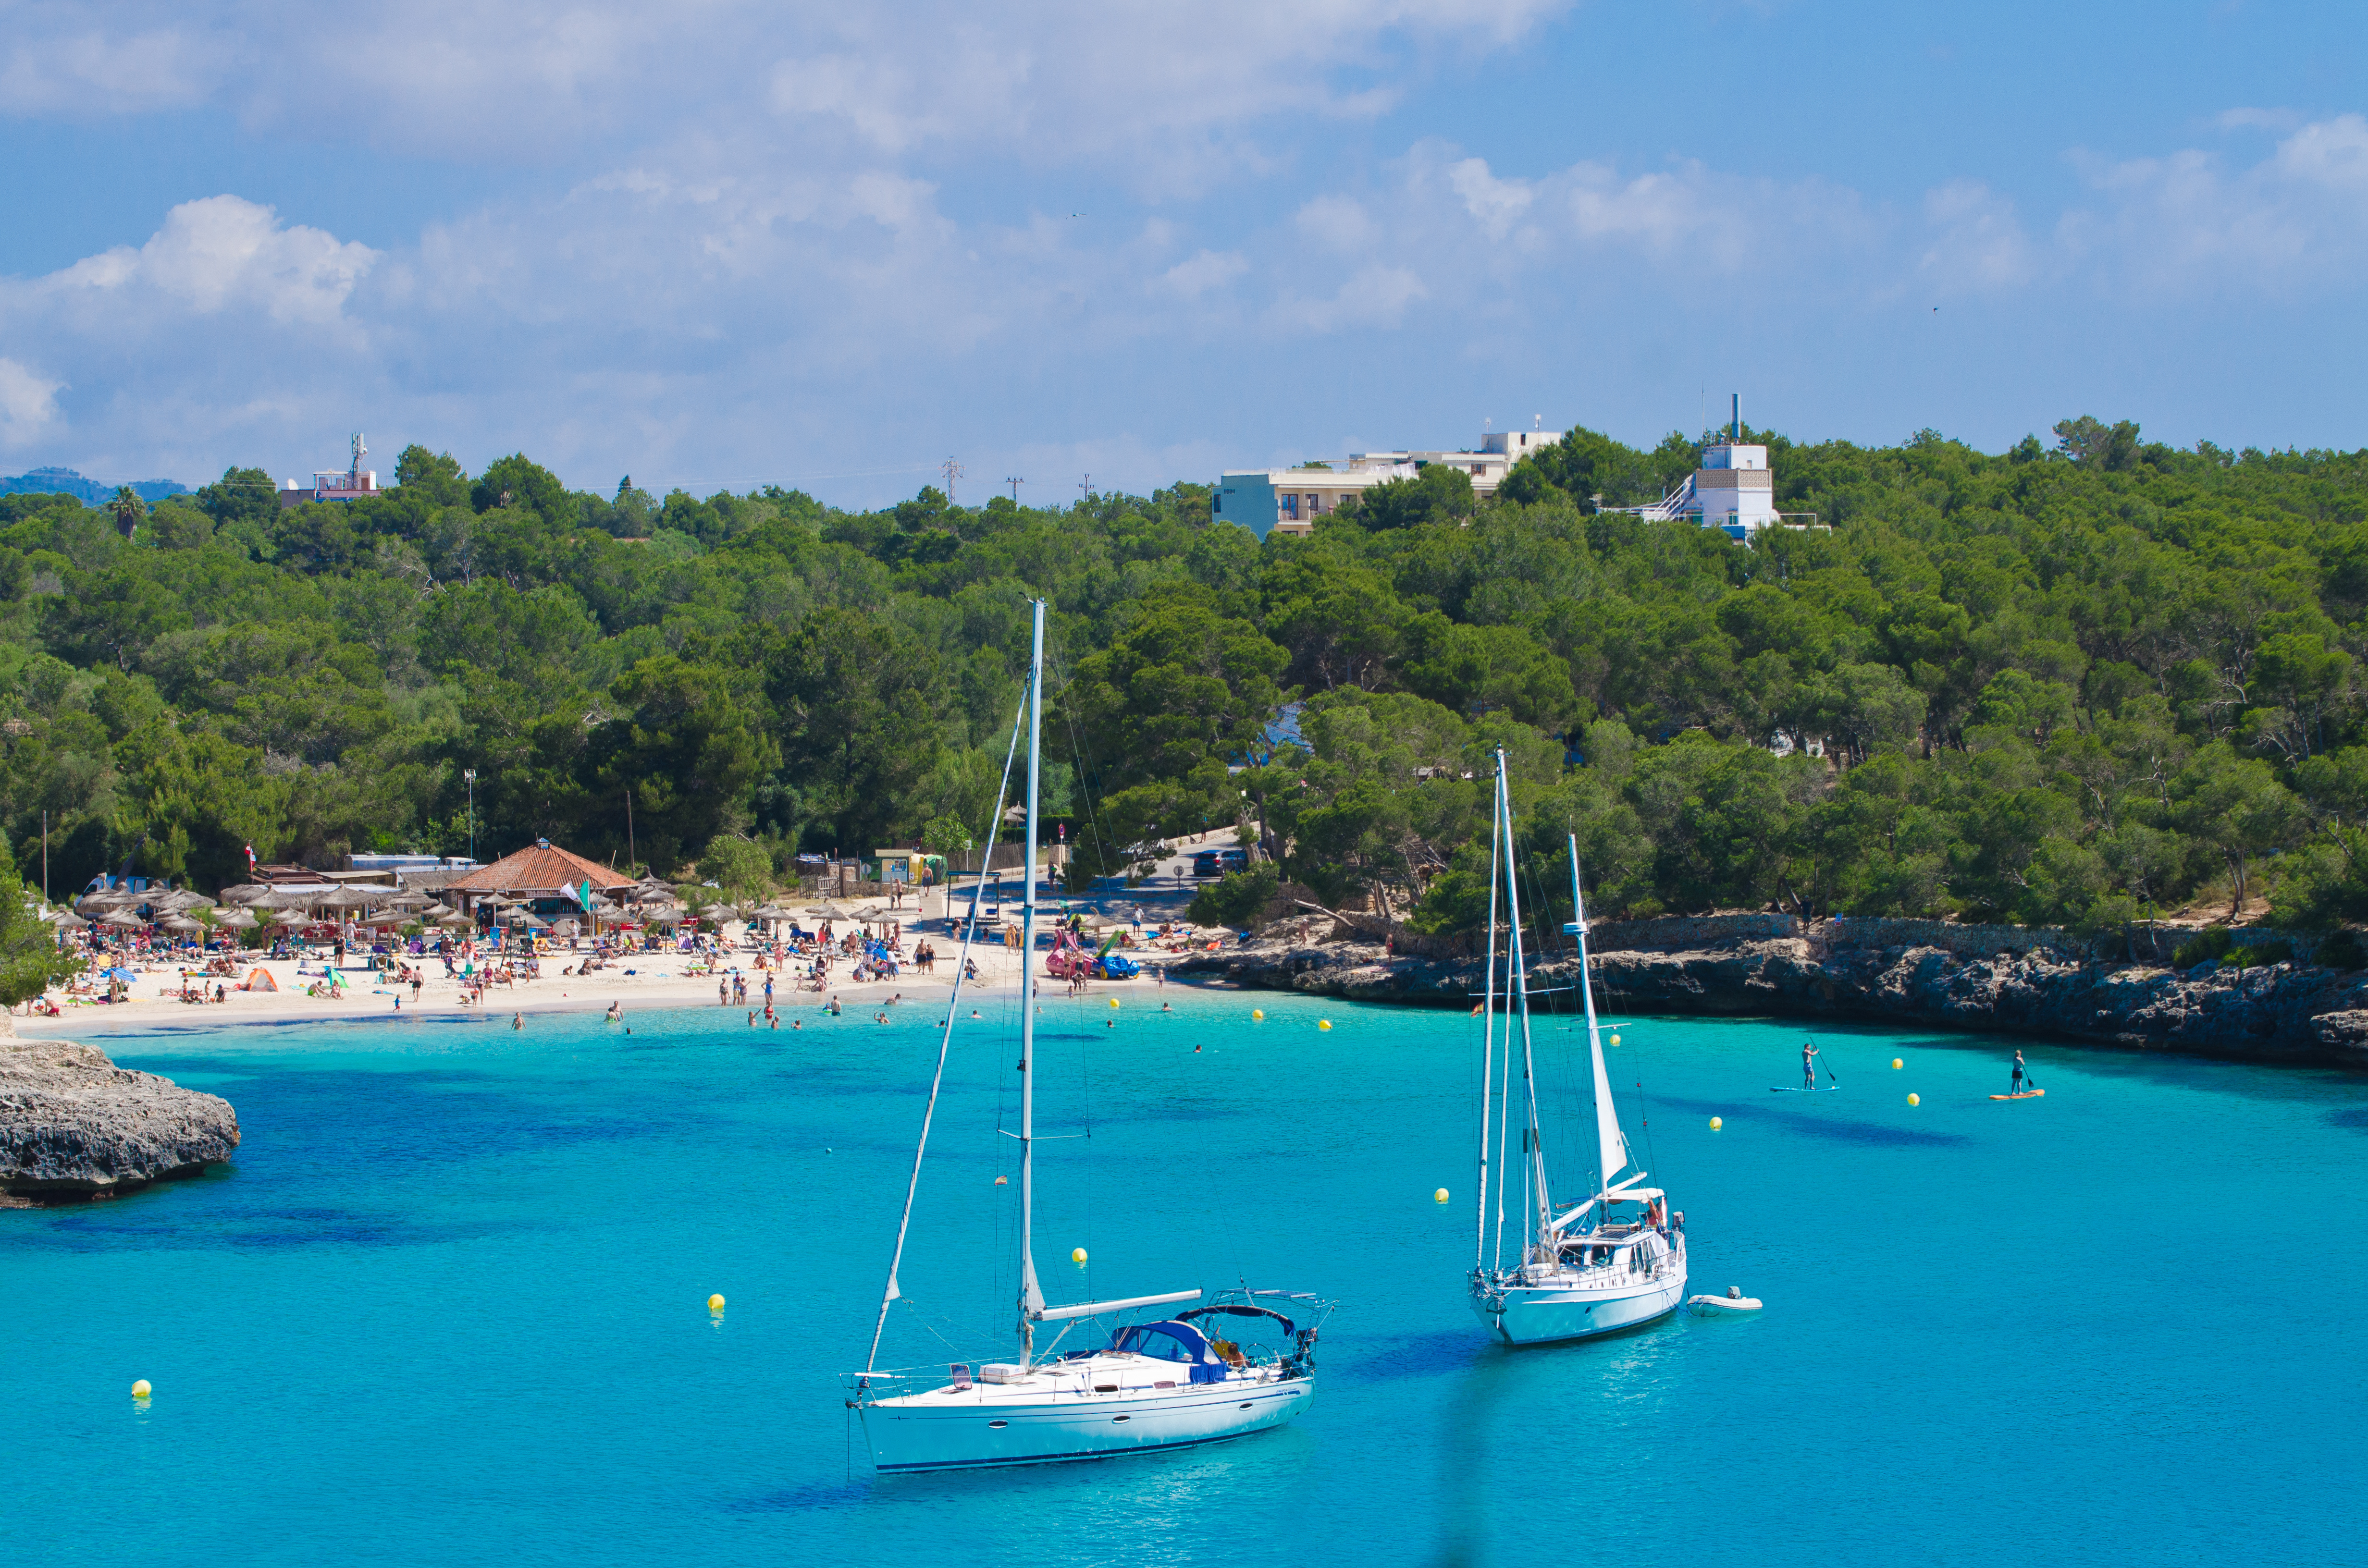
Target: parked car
(1217, 862)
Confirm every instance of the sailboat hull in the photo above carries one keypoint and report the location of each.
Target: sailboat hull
(934, 1432)
(1550, 1315)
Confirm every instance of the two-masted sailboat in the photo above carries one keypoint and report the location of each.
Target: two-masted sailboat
(1608, 1262)
(1242, 1362)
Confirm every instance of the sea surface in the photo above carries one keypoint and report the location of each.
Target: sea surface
(449, 1306)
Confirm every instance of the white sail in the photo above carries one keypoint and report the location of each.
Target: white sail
(1611, 1147)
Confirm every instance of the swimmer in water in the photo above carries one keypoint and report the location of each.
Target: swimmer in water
(517, 1020)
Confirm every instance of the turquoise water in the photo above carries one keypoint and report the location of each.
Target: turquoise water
(449, 1306)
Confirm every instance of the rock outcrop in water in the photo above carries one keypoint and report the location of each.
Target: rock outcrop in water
(2272, 1012)
(74, 1126)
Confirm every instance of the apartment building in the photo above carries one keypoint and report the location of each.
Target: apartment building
(1289, 500)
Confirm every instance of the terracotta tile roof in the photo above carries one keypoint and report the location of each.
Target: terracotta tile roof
(544, 868)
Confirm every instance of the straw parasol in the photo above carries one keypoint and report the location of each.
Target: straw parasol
(65, 919)
(179, 923)
(120, 918)
(100, 902)
(244, 892)
(238, 920)
(827, 910)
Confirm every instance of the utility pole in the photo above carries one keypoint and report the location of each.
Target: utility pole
(1015, 484)
(470, 775)
(45, 857)
(953, 471)
(632, 859)
(1086, 489)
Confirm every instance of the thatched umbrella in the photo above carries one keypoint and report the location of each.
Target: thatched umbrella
(453, 917)
(100, 902)
(827, 910)
(179, 923)
(120, 918)
(410, 899)
(65, 919)
(244, 892)
(434, 910)
(238, 920)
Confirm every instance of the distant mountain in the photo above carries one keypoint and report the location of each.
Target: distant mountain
(66, 482)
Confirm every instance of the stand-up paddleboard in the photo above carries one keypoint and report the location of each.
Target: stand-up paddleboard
(1798, 1089)
(2026, 1095)
(1718, 1306)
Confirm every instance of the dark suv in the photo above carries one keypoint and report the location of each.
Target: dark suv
(1217, 862)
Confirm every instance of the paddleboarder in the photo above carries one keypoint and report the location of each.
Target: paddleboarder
(2019, 1075)
(1808, 1065)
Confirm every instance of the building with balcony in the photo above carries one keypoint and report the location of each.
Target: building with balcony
(1733, 491)
(1289, 500)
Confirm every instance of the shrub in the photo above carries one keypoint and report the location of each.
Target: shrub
(2341, 949)
(2212, 942)
(1237, 898)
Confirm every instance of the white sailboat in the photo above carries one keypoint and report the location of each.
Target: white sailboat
(1167, 1383)
(1607, 1263)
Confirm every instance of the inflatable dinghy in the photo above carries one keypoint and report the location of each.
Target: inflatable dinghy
(1719, 1306)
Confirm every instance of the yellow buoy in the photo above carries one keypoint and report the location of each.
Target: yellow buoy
(1077, 1255)
(140, 1389)
(1615, 1039)
(1915, 1099)
(1896, 1063)
(1258, 1014)
(1113, 1002)
(1323, 1023)
(1716, 1123)
(714, 1304)
(1440, 1196)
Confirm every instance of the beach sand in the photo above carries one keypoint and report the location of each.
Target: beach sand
(659, 981)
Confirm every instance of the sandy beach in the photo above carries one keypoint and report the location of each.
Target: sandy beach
(643, 982)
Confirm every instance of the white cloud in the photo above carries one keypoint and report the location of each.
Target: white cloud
(225, 252)
(1492, 203)
(1375, 296)
(28, 404)
(1978, 244)
(2182, 223)
(79, 75)
(1203, 271)
(1340, 223)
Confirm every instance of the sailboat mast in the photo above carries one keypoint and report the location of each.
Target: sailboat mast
(1487, 1053)
(1032, 1296)
(1541, 1205)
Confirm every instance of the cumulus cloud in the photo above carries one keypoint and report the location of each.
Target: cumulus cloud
(217, 254)
(29, 403)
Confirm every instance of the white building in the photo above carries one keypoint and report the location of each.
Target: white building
(1734, 489)
(352, 483)
(1289, 500)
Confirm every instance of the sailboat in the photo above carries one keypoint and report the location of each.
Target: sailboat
(1608, 1262)
(1238, 1362)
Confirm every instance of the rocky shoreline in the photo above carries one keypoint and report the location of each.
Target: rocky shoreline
(74, 1127)
(2281, 1012)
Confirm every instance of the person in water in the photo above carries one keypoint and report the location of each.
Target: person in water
(1808, 1065)
(2015, 1087)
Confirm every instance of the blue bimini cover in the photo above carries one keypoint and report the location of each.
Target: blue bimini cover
(1173, 1341)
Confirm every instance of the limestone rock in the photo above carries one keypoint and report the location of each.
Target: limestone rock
(74, 1126)
(2274, 1012)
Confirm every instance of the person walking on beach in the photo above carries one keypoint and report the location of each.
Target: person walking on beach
(1808, 1065)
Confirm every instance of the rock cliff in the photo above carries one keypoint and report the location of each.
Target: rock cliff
(74, 1126)
(2274, 1012)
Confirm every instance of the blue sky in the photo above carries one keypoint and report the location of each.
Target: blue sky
(721, 243)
